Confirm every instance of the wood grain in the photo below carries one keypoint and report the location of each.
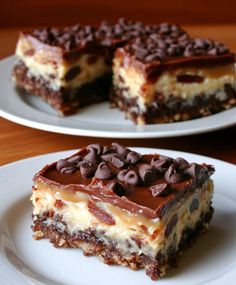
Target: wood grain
(19, 142)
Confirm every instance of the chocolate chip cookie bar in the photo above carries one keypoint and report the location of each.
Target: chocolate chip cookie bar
(71, 67)
(128, 209)
(169, 76)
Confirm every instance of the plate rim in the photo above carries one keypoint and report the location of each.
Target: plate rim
(139, 133)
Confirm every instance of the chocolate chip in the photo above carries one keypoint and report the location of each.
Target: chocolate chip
(61, 164)
(91, 156)
(200, 43)
(74, 159)
(65, 167)
(87, 169)
(107, 157)
(133, 157)
(193, 170)
(161, 163)
(213, 51)
(103, 171)
(76, 28)
(129, 176)
(89, 38)
(166, 158)
(121, 174)
(117, 162)
(181, 163)
(120, 149)
(98, 148)
(117, 188)
(147, 173)
(88, 29)
(174, 50)
(222, 49)
(160, 190)
(172, 176)
(114, 159)
(72, 73)
(189, 51)
(161, 43)
(107, 150)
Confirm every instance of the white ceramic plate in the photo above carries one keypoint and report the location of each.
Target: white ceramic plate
(98, 120)
(212, 260)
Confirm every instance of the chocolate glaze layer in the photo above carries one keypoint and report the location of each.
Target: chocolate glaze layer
(167, 40)
(57, 53)
(137, 198)
(70, 42)
(155, 68)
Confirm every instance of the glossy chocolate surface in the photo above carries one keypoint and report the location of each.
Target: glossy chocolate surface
(136, 198)
(148, 43)
(152, 70)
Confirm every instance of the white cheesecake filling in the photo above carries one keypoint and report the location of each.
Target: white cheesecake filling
(41, 64)
(135, 85)
(151, 232)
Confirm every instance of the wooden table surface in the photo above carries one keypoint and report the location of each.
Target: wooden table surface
(18, 142)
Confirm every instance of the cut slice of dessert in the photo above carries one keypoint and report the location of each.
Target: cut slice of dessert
(129, 209)
(71, 67)
(66, 67)
(168, 77)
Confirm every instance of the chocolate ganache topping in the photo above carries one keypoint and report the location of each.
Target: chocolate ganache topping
(126, 168)
(127, 30)
(68, 38)
(159, 47)
(106, 34)
(147, 42)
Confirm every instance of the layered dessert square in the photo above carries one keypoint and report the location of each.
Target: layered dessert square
(71, 67)
(65, 67)
(129, 209)
(169, 76)
(159, 73)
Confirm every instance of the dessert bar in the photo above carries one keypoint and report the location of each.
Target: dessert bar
(71, 67)
(168, 77)
(129, 209)
(154, 73)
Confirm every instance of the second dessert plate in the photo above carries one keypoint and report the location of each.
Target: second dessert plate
(212, 260)
(97, 120)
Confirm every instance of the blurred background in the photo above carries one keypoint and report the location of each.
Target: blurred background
(23, 13)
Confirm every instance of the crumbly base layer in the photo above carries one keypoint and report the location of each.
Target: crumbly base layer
(66, 101)
(108, 253)
(174, 109)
